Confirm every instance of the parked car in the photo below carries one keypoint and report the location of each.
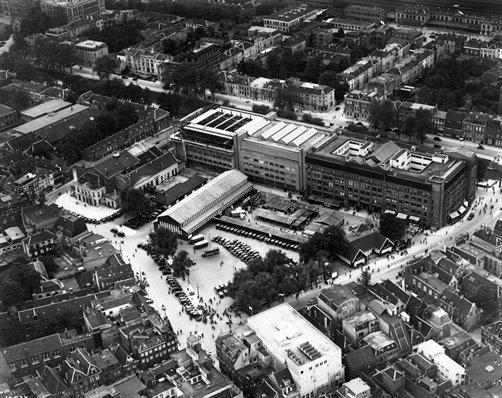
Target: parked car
(470, 216)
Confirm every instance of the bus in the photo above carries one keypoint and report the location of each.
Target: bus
(201, 244)
(196, 238)
(211, 252)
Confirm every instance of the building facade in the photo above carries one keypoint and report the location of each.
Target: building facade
(89, 51)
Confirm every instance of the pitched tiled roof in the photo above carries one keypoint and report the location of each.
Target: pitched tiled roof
(31, 348)
(374, 240)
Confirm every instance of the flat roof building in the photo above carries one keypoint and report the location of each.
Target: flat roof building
(43, 109)
(89, 51)
(194, 211)
(404, 180)
(268, 150)
(283, 20)
(314, 361)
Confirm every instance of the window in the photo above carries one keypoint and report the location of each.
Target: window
(46, 356)
(24, 363)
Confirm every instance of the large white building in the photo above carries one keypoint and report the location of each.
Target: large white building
(66, 11)
(314, 361)
(284, 20)
(198, 208)
(448, 369)
(89, 51)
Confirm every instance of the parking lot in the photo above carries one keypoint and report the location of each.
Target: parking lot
(206, 275)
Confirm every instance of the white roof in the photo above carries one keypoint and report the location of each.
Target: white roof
(49, 119)
(90, 44)
(14, 233)
(208, 195)
(45, 108)
(282, 328)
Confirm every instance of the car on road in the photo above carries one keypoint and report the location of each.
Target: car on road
(436, 138)
(470, 216)
(437, 146)
(480, 146)
(114, 230)
(337, 108)
(120, 234)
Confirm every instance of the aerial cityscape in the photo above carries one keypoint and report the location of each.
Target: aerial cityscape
(250, 199)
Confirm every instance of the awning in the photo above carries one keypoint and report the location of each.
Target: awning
(454, 215)
(389, 212)
(462, 209)
(466, 203)
(402, 216)
(414, 218)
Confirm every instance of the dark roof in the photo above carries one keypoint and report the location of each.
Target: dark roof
(40, 237)
(441, 274)
(448, 265)
(461, 304)
(95, 317)
(338, 294)
(396, 290)
(374, 240)
(71, 225)
(498, 228)
(360, 360)
(40, 212)
(116, 164)
(180, 190)
(5, 110)
(30, 348)
(352, 252)
(380, 291)
(152, 168)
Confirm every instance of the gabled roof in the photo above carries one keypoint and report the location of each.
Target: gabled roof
(40, 237)
(396, 290)
(462, 305)
(441, 274)
(374, 240)
(31, 348)
(448, 265)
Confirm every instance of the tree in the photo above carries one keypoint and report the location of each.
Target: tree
(76, 83)
(18, 282)
(106, 65)
(262, 109)
(328, 78)
(408, 126)
(181, 264)
(331, 242)
(163, 241)
(35, 21)
(308, 118)
(49, 264)
(18, 64)
(136, 203)
(285, 98)
(265, 279)
(118, 36)
(68, 318)
(16, 99)
(365, 278)
(423, 124)
(388, 114)
(392, 227)
(383, 115)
